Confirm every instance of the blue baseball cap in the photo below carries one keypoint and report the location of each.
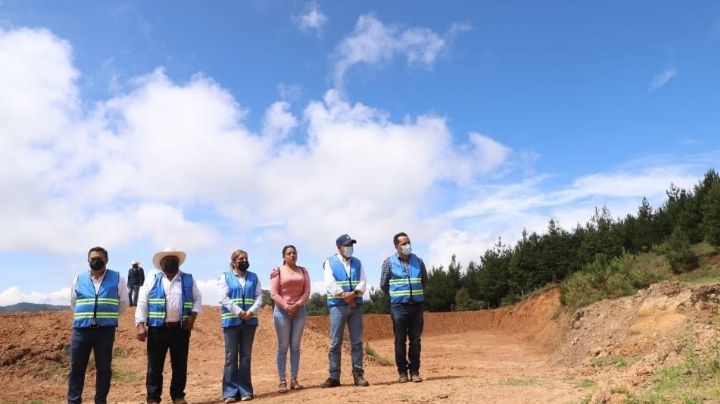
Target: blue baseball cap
(345, 240)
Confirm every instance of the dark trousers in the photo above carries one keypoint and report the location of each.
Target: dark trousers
(133, 292)
(159, 341)
(407, 325)
(237, 379)
(99, 340)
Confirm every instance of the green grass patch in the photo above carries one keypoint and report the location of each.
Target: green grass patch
(585, 384)
(521, 382)
(370, 351)
(619, 362)
(703, 248)
(617, 277)
(122, 376)
(703, 274)
(695, 379)
(120, 353)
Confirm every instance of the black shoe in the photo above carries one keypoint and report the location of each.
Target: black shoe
(359, 380)
(330, 382)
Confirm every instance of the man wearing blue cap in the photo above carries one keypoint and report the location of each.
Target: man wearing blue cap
(345, 284)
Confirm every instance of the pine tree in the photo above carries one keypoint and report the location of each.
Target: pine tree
(711, 215)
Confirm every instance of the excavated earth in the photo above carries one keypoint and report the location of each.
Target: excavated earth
(533, 351)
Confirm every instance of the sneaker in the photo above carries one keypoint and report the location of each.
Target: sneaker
(246, 398)
(230, 400)
(282, 387)
(179, 401)
(415, 377)
(359, 380)
(330, 382)
(294, 385)
(403, 378)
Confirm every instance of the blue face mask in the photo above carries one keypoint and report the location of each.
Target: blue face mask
(406, 249)
(348, 251)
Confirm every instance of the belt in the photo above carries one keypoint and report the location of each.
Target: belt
(172, 324)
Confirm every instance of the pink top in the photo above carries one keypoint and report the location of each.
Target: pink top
(289, 287)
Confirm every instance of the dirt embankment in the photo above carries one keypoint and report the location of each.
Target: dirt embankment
(530, 352)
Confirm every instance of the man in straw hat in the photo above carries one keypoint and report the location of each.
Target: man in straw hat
(167, 307)
(135, 279)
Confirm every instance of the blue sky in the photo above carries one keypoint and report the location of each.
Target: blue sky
(212, 126)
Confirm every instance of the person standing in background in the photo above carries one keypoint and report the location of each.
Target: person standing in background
(135, 279)
(403, 278)
(97, 298)
(240, 299)
(290, 290)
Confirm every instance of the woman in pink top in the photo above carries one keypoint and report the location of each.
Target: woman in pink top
(290, 290)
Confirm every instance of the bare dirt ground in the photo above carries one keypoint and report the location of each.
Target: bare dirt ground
(530, 352)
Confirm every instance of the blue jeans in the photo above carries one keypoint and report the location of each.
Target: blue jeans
(100, 340)
(237, 382)
(407, 324)
(339, 316)
(289, 332)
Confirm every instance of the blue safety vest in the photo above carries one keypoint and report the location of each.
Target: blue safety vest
(243, 297)
(156, 300)
(345, 282)
(100, 309)
(402, 284)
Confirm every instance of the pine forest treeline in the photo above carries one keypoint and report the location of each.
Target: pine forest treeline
(598, 258)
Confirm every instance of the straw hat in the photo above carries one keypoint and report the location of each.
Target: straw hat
(167, 252)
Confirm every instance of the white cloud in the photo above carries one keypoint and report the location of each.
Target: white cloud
(278, 121)
(373, 42)
(506, 210)
(167, 163)
(312, 20)
(660, 80)
(14, 295)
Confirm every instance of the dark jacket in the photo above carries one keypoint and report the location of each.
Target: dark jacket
(135, 278)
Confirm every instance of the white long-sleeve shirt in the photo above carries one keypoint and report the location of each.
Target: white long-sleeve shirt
(122, 290)
(227, 303)
(331, 285)
(173, 298)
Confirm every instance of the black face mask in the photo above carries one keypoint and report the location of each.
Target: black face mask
(97, 264)
(171, 266)
(243, 265)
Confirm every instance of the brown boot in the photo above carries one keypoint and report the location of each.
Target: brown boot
(359, 380)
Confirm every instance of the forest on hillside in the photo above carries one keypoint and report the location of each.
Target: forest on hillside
(595, 260)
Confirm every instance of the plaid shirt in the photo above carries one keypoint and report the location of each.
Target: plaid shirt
(386, 273)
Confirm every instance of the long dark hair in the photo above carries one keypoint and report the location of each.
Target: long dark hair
(284, 250)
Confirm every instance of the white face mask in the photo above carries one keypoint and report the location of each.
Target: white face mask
(406, 249)
(347, 251)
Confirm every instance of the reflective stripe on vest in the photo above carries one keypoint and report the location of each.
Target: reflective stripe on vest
(345, 282)
(243, 297)
(156, 300)
(404, 285)
(101, 309)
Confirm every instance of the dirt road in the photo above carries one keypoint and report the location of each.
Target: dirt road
(466, 357)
